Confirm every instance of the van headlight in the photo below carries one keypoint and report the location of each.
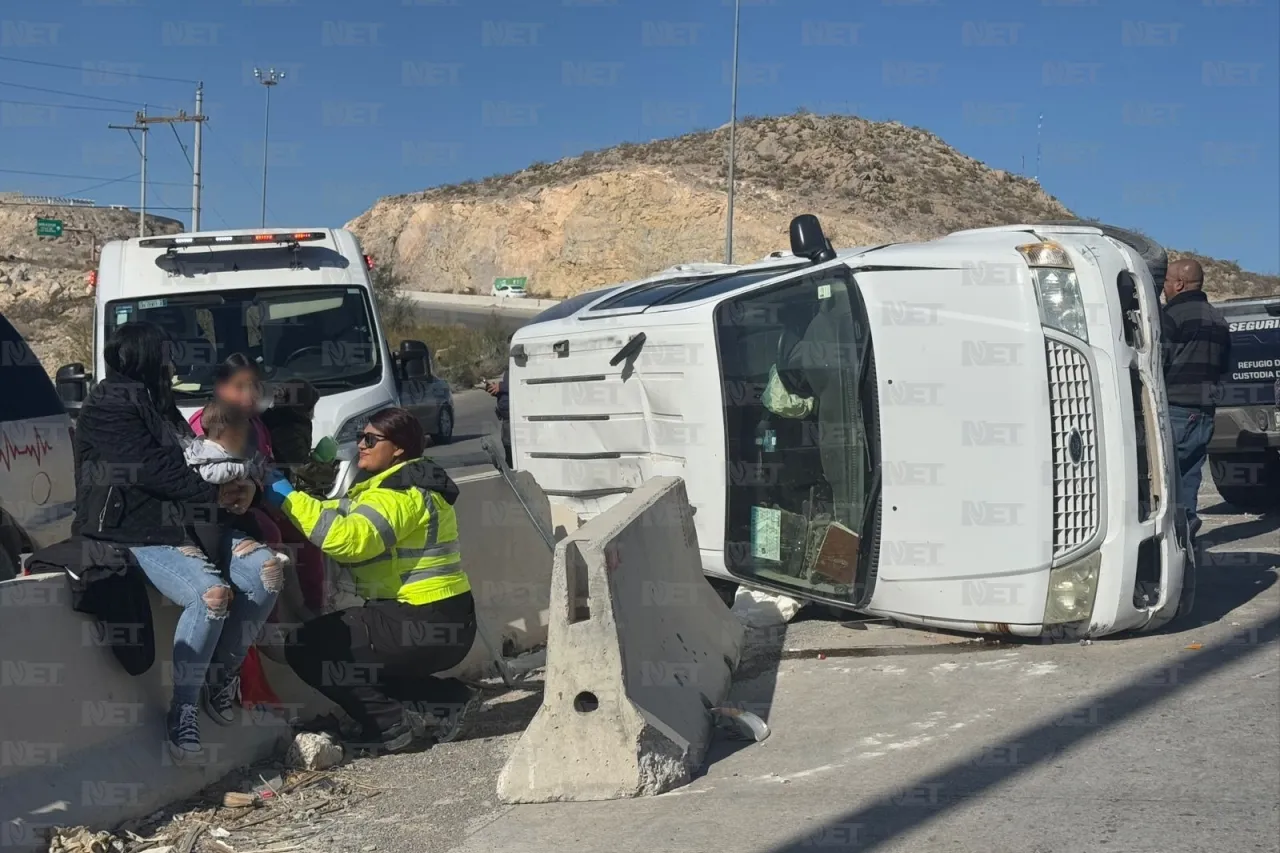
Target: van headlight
(352, 426)
(1072, 589)
(1057, 288)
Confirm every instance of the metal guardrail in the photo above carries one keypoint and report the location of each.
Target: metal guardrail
(53, 201)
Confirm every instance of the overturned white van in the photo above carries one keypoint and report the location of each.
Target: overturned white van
(968, 433)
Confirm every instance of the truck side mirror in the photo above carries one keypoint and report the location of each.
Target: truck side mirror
(72, 383)
(808, 241)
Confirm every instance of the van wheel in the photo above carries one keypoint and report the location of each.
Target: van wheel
(444, 427)
(1248, 481)
(727, 590)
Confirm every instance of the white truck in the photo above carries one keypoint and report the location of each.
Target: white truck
(969, 433)
(298, 301)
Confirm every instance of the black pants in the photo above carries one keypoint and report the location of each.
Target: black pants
(371, 659)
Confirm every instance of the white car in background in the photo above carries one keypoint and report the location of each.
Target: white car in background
(37, 465)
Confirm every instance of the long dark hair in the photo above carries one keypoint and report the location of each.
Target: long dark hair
(140, 352)
(236, 363)
(402, 429)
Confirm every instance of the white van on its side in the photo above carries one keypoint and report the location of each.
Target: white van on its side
(298, 301)
(968, 433)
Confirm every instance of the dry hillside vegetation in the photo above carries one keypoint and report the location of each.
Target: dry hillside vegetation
(628, 211)
(42, 279)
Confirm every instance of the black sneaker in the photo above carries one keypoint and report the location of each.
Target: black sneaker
(450, 720)
(184, 731)
(221, 698)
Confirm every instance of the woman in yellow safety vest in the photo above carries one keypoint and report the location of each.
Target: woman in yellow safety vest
(398, 535)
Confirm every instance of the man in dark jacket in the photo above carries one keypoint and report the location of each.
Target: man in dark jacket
(1197, 347)
(503, 411)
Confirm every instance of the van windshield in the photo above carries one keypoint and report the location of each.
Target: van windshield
(325, 335)
(796, 365)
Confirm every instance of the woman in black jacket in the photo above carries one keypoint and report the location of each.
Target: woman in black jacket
(133, 488)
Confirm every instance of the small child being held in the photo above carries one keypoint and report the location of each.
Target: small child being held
(224, 454)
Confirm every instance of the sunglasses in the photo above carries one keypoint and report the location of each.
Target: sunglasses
(369, 440)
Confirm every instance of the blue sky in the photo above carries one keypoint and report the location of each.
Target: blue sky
(1160, 115)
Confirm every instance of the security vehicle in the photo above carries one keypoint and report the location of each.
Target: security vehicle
(37, 464)
(298, 301)
(969, 433)
(1244, 453)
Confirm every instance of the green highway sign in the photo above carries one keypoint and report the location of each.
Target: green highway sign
(48, 227)
(510, 283)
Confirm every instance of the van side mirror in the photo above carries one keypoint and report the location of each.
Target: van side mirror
(72, 382)
(808, 241)
(415, 359)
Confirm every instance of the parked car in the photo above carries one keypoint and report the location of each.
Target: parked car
(1244, 453)
(37, 462)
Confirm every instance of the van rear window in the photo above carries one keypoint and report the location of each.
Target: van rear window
(28, 392)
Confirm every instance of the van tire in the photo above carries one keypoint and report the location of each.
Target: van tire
(1155, 255)
(727, 590)
(1262, 495)
(444, 427)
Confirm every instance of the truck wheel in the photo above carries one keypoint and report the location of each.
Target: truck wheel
(1248, 481)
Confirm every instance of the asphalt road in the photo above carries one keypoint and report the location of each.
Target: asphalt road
(474, 417)
(896, 739)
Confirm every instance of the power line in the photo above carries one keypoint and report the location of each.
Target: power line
(103, 184)
(78, 95)
(181, 145)
(83, 177)
(82, 68)
(241, 176)
(65, 106)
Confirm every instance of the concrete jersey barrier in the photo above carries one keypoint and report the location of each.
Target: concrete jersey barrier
(639, 647)
(83, 743)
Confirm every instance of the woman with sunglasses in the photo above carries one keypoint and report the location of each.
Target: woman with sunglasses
(397, 533)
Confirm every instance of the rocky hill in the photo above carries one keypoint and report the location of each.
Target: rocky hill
(42, 279)
(628, 211)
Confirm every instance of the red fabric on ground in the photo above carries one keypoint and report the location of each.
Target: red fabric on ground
(254, 688)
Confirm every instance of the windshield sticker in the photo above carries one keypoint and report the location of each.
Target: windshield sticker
(122, 317)
(824, 291)
(152, 303)
(766, 533)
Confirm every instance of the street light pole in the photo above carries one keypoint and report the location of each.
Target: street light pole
(269, 78)
(733, 127)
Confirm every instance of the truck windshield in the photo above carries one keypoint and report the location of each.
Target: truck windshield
(799, 399)
(325, 335)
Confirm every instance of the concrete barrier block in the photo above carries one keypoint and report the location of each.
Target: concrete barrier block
(83, 742)
(639, 647)
(508, 563)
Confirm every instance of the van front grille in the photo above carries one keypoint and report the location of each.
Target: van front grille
(1075, 448)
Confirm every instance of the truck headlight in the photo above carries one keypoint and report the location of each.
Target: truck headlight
(1072, 589)
(1057, 288)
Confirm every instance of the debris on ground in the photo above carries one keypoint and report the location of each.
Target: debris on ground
(313, 751)
(739, 724)
(254, 811)
(758, 609)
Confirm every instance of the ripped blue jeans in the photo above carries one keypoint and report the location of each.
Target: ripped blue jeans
(209, 631)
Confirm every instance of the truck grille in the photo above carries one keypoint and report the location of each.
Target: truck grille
(1075, 448)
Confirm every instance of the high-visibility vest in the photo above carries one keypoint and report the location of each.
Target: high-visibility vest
(398, 538)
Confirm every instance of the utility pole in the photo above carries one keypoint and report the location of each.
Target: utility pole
(270, 79)
(143, 122)
(733, 127)
(1039, 126)
(198, 118)
(140, 126)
